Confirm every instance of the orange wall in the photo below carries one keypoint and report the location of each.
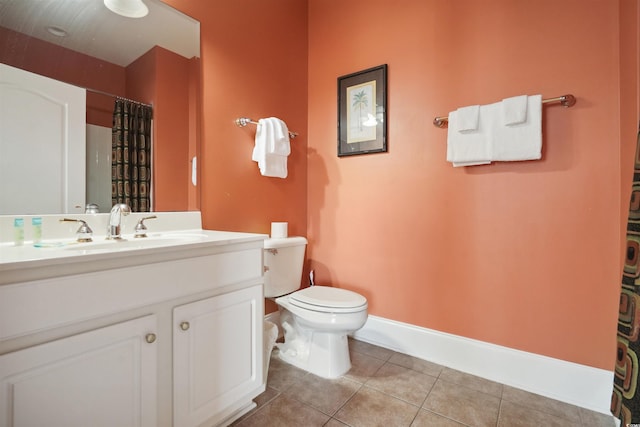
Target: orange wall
(171, 155)
(524, 254)
(629, 97)
(162, 78)
(195, 124)
(254, 64)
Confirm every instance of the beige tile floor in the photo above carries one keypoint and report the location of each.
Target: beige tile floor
(385, 388)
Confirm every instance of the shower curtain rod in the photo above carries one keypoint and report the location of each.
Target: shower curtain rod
(566, 101)
(99, 92)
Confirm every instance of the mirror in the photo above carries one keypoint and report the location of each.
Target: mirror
(153, 60)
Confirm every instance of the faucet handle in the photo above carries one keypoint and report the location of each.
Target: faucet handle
(84, 233)
(141, 229)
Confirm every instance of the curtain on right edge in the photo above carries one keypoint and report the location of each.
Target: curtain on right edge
(625, 401)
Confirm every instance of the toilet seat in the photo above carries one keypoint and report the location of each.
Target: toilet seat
(328, 300)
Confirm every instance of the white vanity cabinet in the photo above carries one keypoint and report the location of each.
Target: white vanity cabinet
(160, 337)
(105, 377)
(217, 356)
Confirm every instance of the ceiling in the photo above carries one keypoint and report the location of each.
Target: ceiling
(95, 31)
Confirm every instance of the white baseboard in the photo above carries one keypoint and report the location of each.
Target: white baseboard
(568, 382)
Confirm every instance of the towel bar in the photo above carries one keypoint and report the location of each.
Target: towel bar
(243, 121)
(566, 101)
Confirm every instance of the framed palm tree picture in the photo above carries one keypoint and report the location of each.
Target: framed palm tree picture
(362, 112)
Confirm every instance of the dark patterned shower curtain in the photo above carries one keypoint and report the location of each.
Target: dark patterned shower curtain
(131, 155)
(625, 401)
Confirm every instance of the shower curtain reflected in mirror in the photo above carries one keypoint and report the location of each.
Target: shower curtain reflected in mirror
(131, 155)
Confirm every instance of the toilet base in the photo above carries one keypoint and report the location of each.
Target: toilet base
(321, 353)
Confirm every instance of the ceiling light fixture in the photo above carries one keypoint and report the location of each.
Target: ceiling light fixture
(128, 8)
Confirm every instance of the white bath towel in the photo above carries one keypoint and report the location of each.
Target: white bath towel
(274, 165)
(467, 118)
(514, 110)
(470, 148)
(522, 141)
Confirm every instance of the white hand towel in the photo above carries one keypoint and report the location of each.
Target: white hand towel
(522, 141)
(273, 165)
(467, 149)
(279, 144)
(514, 110)
(468, 118)
(260, 147)
(463, 164)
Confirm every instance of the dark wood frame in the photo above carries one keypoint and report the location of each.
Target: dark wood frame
(368, 136)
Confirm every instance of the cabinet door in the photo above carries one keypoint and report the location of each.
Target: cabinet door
(217, 356)
(106, 377)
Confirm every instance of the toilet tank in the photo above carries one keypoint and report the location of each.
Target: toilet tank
(284, 259)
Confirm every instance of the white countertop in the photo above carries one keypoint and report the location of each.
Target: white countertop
(65, 256)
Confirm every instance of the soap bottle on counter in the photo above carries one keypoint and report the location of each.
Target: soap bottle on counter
(36, 225)
(18, 231)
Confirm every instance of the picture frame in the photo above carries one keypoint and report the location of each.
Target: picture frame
(362, 112)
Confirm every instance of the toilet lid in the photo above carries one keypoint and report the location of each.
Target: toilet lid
(327, 299)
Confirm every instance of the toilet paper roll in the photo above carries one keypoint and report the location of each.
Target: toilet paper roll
(279, 230)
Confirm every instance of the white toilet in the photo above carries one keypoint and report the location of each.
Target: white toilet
(316, 320)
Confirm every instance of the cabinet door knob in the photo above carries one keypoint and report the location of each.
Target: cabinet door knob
(184, 326)
(150, 338)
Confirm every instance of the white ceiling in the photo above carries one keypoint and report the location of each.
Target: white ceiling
(94, 30)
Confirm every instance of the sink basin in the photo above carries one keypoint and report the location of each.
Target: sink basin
(154, 240)
(175, 236)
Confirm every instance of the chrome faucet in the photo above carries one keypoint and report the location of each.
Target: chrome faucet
(115, 220)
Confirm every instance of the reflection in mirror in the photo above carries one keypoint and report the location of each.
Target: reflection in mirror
(152, 60)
